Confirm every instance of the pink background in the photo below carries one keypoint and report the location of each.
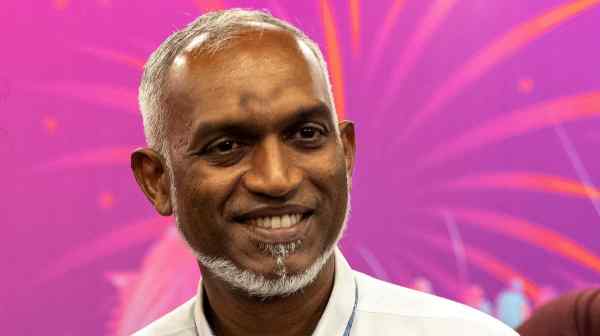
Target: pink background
(477, 125)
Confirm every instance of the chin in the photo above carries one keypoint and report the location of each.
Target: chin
(283, 280)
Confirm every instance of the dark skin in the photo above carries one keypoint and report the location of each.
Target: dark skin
(251, 128)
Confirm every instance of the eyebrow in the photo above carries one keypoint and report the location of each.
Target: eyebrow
(249, 128)
(309, 112)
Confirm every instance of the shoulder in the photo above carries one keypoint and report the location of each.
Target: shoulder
(388, 304)
(178, 322)
(569, 313)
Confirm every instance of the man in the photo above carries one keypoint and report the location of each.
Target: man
(246, 151)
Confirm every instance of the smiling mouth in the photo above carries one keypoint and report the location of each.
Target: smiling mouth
(275, 217)
(278, 228)
(277, 222)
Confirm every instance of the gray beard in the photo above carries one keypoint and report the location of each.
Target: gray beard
(255, 284)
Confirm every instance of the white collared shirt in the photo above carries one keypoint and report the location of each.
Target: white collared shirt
(380, 308)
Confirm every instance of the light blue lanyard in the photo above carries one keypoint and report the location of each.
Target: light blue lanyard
(351, 320)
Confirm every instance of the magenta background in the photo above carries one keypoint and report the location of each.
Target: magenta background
(84, 253)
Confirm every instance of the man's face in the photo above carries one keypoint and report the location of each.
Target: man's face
(255, 158)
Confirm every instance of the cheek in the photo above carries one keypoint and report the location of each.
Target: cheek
(200, 199)
(328, 174)
(201, 186)
(331, 172)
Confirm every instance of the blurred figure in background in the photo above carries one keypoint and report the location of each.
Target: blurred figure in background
(512, 306)
(422, 284)
(474, 296)
(573, 314)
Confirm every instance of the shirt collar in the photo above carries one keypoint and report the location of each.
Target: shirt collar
(337, 312)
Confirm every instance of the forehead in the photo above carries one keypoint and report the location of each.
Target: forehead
(257, 71)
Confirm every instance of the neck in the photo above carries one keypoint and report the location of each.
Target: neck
(231, 313)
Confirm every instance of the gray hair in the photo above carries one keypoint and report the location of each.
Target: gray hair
(220, 27)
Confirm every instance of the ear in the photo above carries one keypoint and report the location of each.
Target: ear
(152, 177)
(349, 145)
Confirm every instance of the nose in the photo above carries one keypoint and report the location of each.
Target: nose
(273, 173)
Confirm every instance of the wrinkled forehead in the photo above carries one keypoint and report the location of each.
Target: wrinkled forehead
(253, 60)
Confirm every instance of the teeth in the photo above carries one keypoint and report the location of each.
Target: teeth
(286, 221)
(277, 222)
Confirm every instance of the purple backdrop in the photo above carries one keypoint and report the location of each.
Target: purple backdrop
(477, 125)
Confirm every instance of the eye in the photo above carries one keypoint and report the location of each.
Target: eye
(308, 132)
(223, 147)
(310, 135)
